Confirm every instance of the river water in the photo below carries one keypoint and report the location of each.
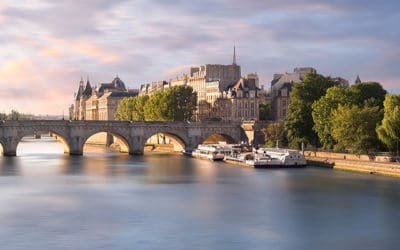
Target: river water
(107, 200)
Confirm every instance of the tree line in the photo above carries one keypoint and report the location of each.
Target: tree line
(15, 115)
(177, 103)
(362, 118)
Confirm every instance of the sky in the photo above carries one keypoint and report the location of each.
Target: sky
(48, 46)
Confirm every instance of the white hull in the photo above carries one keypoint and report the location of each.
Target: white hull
(275, 157)
(218, 157)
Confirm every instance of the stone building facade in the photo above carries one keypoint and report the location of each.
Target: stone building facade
(281, 86)
(221, 91)
(237, 102)
(101, 102)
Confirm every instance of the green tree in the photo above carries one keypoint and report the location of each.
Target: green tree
(125, 109)
(182, 103)
(299, 121)
(265, 111)
(131, 108)
(354, 128)
(389, 131)
(138, 107)
(322, 112)
(369, 93)
(172, 104)
(156, 108)
(274, 134)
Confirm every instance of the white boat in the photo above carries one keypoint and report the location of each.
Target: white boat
(214, 152)
(276, 157)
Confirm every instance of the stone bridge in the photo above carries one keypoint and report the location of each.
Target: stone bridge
(74, 134)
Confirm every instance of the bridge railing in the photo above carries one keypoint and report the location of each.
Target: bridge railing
(116, 123)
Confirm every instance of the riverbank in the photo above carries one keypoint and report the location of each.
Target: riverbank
(362, 166)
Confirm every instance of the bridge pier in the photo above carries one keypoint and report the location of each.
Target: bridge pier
(9, 153)
(76, 152)
(76, 145)
(9, 146)
(136, 152)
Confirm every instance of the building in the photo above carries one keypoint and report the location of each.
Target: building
(150, 88)
(101, 102)
(281, 86)
(220, 88)
(245, 97)
(237, 102)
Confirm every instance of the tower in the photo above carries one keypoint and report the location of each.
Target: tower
(358, 80)
(234, 55)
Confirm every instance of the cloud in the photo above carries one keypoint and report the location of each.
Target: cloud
(62, 18)
(48, 46)
(32, 89)
(81, 47)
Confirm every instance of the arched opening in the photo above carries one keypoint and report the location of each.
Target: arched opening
(164, 143)
(105, 142)
(42, 143)
(219, 138)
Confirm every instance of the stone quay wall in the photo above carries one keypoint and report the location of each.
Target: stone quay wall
(362, 163)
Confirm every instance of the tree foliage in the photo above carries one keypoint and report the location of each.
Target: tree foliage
(299, 121)
(369, 93)
(265, 111)
(182, 103)
(156, 108)
(322, 112)
(172, 104)
(274, 134)
(389, 130)
(353, 128)
(125, 109)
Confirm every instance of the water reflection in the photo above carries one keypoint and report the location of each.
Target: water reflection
(9, 166)
(108, 200)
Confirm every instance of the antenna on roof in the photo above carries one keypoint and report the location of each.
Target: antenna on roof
(234, 55)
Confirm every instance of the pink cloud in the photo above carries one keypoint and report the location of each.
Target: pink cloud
(30, 87)
(81, 47)
(177, 71)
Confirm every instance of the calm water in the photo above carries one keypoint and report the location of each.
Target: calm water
(105, 200)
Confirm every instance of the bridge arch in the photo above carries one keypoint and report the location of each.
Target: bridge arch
(59, 135)
(218, 137)
(123, 141)
(177, 140)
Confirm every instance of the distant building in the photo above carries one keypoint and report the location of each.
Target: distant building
(222, 93)
(150, 88)
(238, 101)
(281, 86)
(358, 80)
(101, 102)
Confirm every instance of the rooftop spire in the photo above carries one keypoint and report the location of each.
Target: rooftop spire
(358, 80)
(234, 55)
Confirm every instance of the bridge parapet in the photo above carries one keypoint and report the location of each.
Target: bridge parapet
(75, 133)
